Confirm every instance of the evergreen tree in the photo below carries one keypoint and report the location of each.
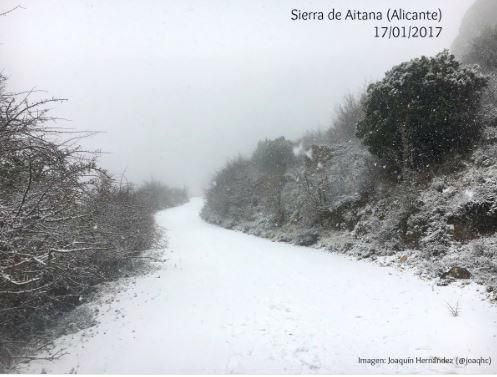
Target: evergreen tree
(422, 110)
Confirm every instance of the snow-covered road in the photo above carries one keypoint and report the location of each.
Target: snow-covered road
(226, 302)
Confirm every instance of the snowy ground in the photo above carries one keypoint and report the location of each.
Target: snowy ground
(226, 302)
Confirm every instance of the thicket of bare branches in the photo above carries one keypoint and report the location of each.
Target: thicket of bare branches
(65, 225)
(159, 196)
(308, 182)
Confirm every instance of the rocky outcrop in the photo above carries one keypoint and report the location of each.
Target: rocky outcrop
(456, 273)
(481, 15)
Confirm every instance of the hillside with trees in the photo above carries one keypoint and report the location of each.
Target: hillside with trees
(405, 175)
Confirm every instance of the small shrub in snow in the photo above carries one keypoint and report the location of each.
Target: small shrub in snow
(454, 309)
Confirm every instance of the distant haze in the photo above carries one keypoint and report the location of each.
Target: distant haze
(479, 16)
(176, 88)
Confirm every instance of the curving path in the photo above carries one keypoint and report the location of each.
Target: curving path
(227, 302)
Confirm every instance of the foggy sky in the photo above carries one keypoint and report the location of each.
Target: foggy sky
(176, 88)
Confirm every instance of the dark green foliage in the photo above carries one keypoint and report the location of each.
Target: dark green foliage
(274, 156)
(422, 110)
(231, 191)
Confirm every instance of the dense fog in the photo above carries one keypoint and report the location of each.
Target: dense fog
(177, 88)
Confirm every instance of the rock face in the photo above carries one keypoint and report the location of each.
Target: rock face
(307, 239)
(474, 219)
(482, 14)
(456, 273)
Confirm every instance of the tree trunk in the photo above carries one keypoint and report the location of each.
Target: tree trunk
(407, 157)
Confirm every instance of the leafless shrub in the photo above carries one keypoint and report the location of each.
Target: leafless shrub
(454, 310)
(65, 225)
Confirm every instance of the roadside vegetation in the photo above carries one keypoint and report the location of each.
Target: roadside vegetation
(406, 172)
(66, 224)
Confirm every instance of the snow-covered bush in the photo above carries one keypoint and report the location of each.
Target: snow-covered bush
(273, 156)
(159, 196)
(244, 187)
(422, 110)
(333, 180)
(65, 225)
(231, 193)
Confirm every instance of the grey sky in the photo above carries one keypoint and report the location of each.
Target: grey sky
(179, 87)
